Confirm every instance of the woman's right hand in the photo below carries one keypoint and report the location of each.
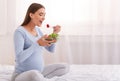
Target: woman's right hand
(43, 42)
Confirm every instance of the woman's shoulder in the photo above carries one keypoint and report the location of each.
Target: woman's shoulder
(20, 29)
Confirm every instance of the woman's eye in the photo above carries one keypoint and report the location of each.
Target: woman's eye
(41, 14)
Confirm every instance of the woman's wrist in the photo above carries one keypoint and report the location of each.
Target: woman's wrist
(39, 43)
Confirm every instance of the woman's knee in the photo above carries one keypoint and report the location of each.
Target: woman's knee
(32, 75)
(65, 68)
(62, 69)
(36, 75)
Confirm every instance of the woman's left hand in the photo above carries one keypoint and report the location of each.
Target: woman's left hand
(56, 29)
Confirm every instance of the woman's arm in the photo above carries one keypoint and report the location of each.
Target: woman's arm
(54, 37)
(21, 54)
(50, 48)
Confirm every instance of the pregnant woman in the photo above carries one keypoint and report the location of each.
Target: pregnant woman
(29, 42)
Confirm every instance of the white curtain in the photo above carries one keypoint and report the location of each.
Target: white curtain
(4, 15)
(90, 29)
(7, 27)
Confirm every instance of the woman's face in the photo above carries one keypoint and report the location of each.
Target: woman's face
(38, 17)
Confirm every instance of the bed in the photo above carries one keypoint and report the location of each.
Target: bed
(76, 73)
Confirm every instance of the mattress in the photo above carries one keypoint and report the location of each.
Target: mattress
(76, 73)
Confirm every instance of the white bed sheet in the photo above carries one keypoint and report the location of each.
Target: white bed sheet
(92, 73)
(6, 72)
(76, 73)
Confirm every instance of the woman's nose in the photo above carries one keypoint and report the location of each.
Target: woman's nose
(43, 18)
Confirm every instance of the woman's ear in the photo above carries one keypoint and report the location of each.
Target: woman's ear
(31, 15)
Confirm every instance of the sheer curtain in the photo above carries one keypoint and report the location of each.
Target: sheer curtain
(7, 26)
(3, 14)
(90, 29)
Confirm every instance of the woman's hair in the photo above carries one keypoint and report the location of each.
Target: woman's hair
(32, 9)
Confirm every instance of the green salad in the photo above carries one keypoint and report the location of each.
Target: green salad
(52, 36)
